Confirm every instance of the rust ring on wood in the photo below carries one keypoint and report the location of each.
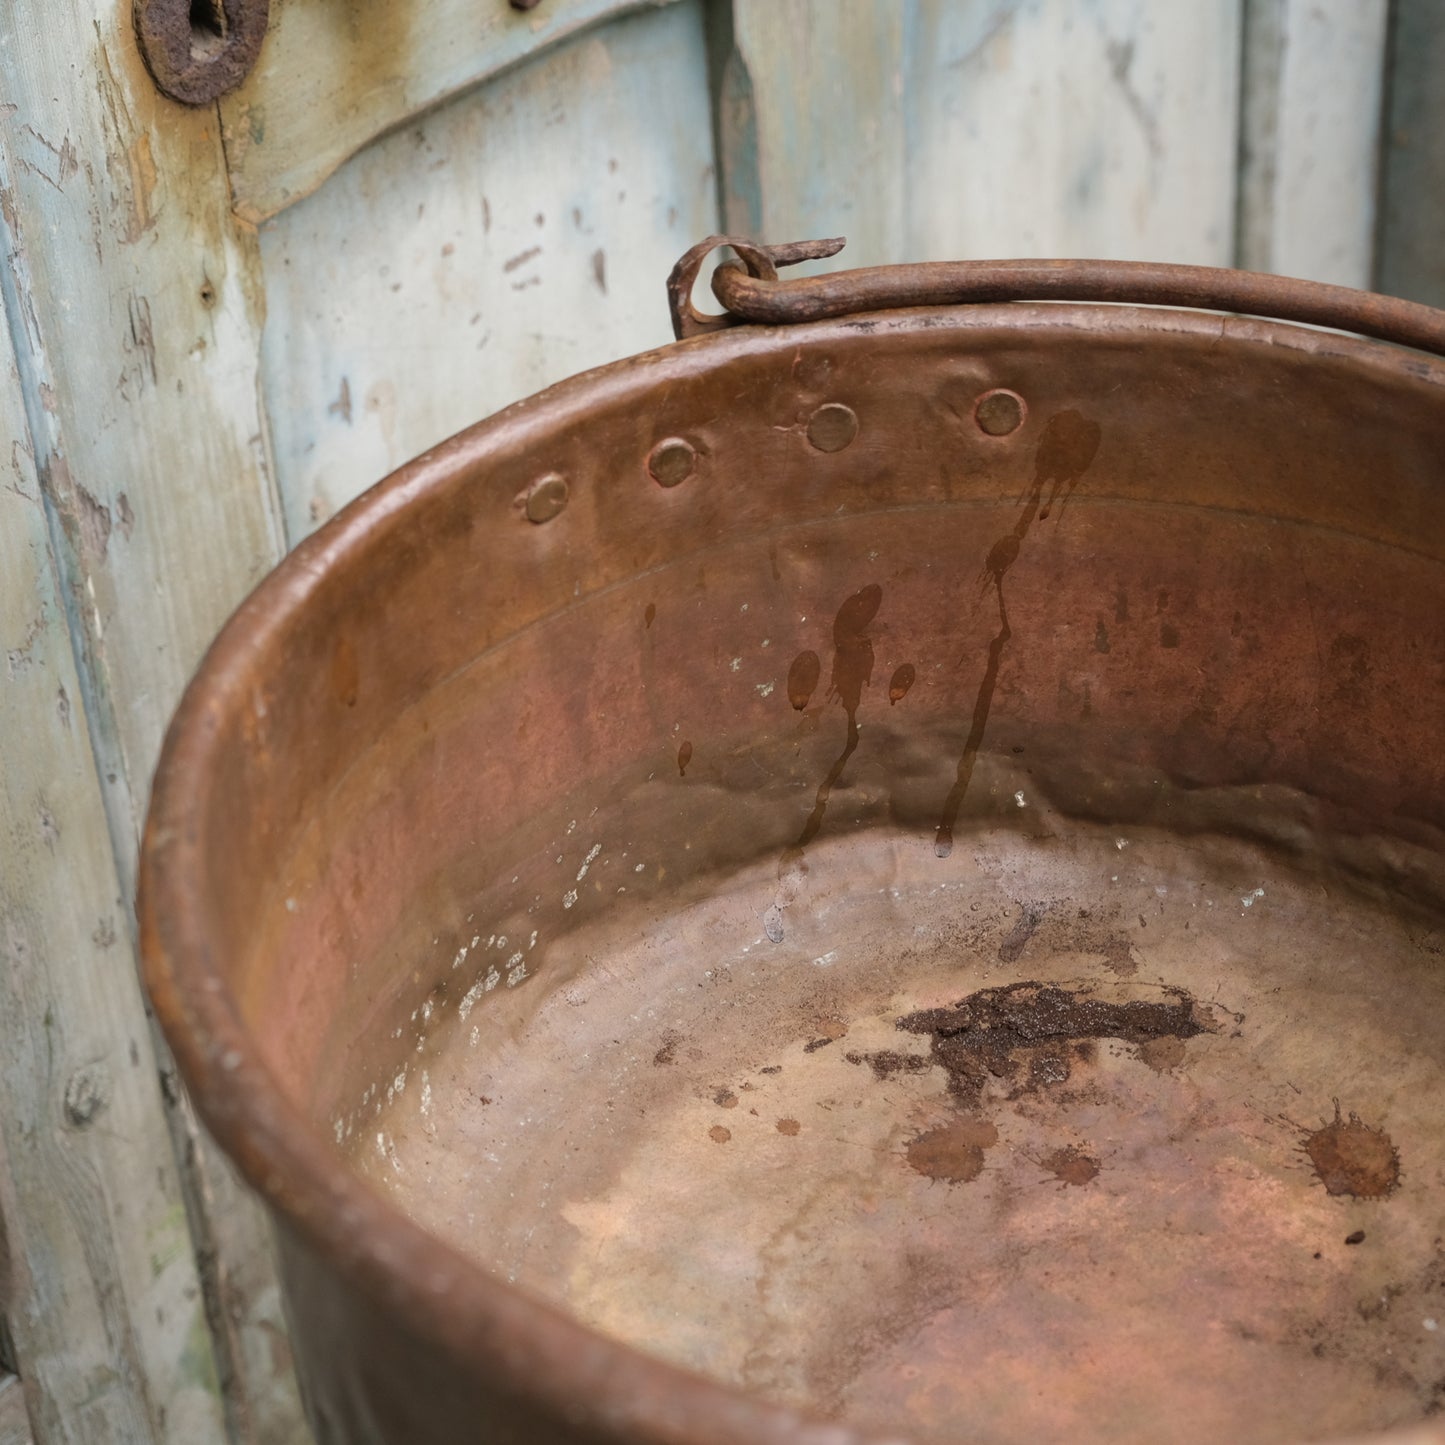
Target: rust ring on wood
(197, 52)
(752, 297)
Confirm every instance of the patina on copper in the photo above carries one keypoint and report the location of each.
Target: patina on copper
(859, 879)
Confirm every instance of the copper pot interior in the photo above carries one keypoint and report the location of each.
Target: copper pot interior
(931, 919)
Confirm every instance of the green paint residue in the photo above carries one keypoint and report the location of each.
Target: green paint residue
(197, 1362)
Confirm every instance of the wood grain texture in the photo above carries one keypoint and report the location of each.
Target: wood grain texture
(135, 316)
(333, 77)
(14, 1421)
(1101, 128)
(517, 236)
(1412, 221)
(1310, 137)
(104, 1304)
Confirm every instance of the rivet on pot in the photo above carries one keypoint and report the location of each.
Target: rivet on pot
(546, 497)
(999, 412)
(832, 426)
(671, 461)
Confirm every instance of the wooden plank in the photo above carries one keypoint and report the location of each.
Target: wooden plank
(14, 1420)
(104, 1305)
(333, 77)
(813, 125)
(517, 236)
(1310, 137)
(1412, 222)
(933, 129)
(135, 316)
(1078, 128)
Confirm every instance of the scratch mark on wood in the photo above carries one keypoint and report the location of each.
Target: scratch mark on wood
(521, 258)
(49, 828)
(142, 339)
(67, 162)
(342, 405)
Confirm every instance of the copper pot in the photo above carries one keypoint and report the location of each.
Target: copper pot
(877, 876)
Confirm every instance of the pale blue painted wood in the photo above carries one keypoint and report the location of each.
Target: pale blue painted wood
(102, 1297)
(332, 77)
(932, 129)
(508, 240)
(134, 317)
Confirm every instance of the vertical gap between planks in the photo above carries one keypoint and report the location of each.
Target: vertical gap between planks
(735, 128)
(1389, 60)
(1261, 39)
(1410, 259)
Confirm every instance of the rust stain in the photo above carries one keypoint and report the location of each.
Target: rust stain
(952, 1153)
(852, 672)
(803, 678)
(1163, 1054)
(141, 165)
(1071, 1166)
(1065, 452)
(345, 674)
(886, 1063)
(1028, 1035)
(1352, 1158)
(1014, 942)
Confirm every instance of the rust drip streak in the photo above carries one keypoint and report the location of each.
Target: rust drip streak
(825, 788)
(943, 842)
(852, 672)
(1066, 449)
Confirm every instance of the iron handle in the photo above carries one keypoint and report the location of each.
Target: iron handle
(750, 291)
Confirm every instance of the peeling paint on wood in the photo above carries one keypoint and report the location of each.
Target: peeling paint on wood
(524, 236)
(332, 78)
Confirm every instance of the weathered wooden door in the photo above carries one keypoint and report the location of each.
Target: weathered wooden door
(225, 321)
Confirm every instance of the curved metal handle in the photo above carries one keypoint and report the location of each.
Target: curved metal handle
(750, 290)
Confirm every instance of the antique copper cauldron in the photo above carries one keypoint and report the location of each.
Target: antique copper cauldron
(875, 875)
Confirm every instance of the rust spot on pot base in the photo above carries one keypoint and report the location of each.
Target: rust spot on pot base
(953, 1152)
(1034, 1029)
(1352, 1158)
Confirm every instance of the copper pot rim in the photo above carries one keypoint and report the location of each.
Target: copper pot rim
(445, 1299)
